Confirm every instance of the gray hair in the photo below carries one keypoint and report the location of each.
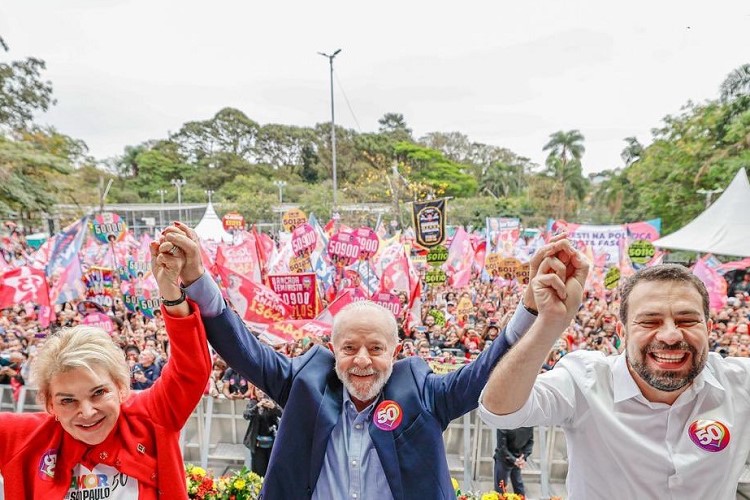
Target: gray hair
(365, 308)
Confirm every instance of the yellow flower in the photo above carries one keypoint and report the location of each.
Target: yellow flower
(198, 471)
(455, 484)
(239, 484)
(494, 495)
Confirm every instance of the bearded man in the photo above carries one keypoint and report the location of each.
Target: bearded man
(664, 419)
(357, 423)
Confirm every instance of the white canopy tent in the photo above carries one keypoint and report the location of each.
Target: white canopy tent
(211, 228)
(723, 228)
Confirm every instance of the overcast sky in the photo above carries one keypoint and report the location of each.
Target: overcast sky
(503, 73)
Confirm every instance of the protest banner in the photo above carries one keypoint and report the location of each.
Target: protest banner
(293, 218)
(343, 249)
(233, 221)
(298, 292)
(429, 222)
(99, 285)
(388, 301)
(502, 234)
(304, 240)
(108, 227)
(368, 242)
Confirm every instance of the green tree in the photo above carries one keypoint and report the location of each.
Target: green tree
(564, 164)
(23, 92)
(27, 176)
(229, 131)
(502, 180)
(632, 151)
(431, 168)
(284, 146)
(736, 84)
(394, 126)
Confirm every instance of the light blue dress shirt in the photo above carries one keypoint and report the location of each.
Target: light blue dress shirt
(351, 466)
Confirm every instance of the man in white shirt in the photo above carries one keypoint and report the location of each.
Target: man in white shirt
(665, 419)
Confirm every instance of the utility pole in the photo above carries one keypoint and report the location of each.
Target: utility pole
(161, 193)
(333, 125)
(178, 183)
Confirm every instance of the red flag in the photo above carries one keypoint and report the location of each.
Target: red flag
(254, 302)
(208, 262)
(26, 284)
(242, 259)
(345, 298)
(263, 247)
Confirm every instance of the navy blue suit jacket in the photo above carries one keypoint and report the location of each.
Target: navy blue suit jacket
(412, 455)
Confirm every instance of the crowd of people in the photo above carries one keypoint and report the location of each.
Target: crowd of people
(455, 327)
(444, 335)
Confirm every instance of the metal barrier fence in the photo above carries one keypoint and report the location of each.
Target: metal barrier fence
(214, 433)
(213, 436)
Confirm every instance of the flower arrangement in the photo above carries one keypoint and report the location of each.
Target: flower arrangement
(200, 484)
(242, 485)
(490, 495)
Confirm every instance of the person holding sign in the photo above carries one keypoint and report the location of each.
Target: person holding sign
(357, 423)
(96, 439)
(665, 419)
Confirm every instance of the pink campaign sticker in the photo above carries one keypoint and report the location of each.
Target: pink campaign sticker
(47, 465)
(388, 415)
(710, 435)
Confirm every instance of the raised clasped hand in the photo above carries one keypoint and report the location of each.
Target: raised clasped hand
(558, 285)
(186, 239)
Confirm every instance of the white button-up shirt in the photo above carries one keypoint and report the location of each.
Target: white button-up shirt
(622, 446)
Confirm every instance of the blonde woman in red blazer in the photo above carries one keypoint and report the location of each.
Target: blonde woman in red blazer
(96, 439)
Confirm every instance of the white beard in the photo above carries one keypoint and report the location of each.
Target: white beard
(358, 390)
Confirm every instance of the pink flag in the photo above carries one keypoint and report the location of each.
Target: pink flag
(735, 265)
(715, 283)
(460, 257)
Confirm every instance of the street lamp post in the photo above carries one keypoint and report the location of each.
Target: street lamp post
(280, 185)
(333, 124)
(709, 193)
(161, 193)
(178, 183)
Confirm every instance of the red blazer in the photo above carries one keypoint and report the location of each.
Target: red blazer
(37, 456)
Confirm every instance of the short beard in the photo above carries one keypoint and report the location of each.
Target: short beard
(665, 380)
(361, 394)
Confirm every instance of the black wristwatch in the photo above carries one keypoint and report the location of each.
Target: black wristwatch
(175, 302)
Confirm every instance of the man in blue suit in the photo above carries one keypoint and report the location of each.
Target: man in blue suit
(357, 423)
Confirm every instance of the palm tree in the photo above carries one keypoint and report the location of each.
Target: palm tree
(632, 152)
(571, 183)
(565, 148)
(736, 84)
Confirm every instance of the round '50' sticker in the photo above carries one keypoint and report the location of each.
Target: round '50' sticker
(710, 435)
